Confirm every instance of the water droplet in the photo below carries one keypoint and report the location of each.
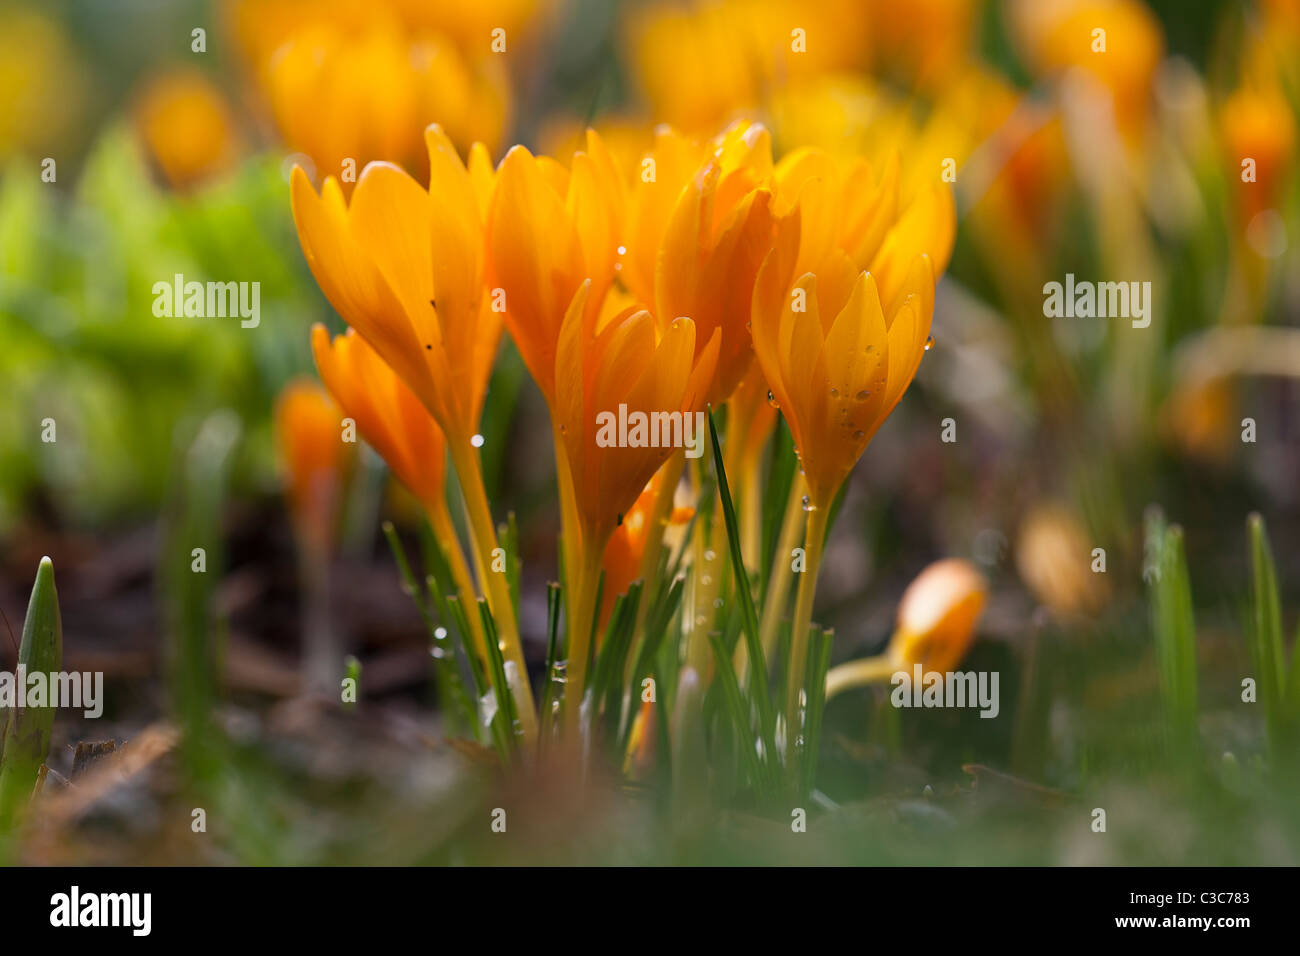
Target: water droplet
(699, 620)
(437, 653)
(807, 504)
(863, 395)
(440, 633)
(706, 579)
(477, 441)
(717, 602)
(709, 555)
(559, 672)
(929, 342)
(835, 392)
(771, 399)
(622, 250)
(564, 429)
(859, 435)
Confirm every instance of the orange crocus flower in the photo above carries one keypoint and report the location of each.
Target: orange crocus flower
(386, 412)
(404, 267)
(622, 562)
(853, 220)
(699, 226)
(401, 430)
(629, 365)
(837, 367)
(549, 231)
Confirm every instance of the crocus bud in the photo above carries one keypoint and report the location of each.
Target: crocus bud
(936, 623)
(937, 615)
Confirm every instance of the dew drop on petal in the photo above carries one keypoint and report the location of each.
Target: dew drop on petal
(477, 441)
(863, 395)
(929, 342)
(807, 504)
(771, 399)
(859, 435)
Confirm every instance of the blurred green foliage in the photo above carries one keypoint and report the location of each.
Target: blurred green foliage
(84, 347)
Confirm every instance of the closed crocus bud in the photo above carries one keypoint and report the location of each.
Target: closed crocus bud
(936, 624)
(1054, 557)
(937, 615)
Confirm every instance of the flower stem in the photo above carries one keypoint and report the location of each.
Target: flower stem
(803, 607)
(707, 568)
(860, 673)
(581, 611)
(444, 532)
(484, 539)
(778, 585)
(656, 526)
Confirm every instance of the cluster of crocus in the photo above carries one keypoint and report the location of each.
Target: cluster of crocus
(709, 276)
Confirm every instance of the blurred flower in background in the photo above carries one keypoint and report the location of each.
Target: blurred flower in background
(187, 127)
(43, 83)
(309, 428)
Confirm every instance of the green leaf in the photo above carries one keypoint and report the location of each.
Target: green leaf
(1175, 633)
(819, 662)
(757, 672)
(27, 729)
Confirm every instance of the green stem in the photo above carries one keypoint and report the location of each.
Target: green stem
(444, 532)
(860, 673)
(581, 611)
(778, 587)
(483, 536)
(803, 607)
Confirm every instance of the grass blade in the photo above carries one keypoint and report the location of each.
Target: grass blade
(757, 673)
